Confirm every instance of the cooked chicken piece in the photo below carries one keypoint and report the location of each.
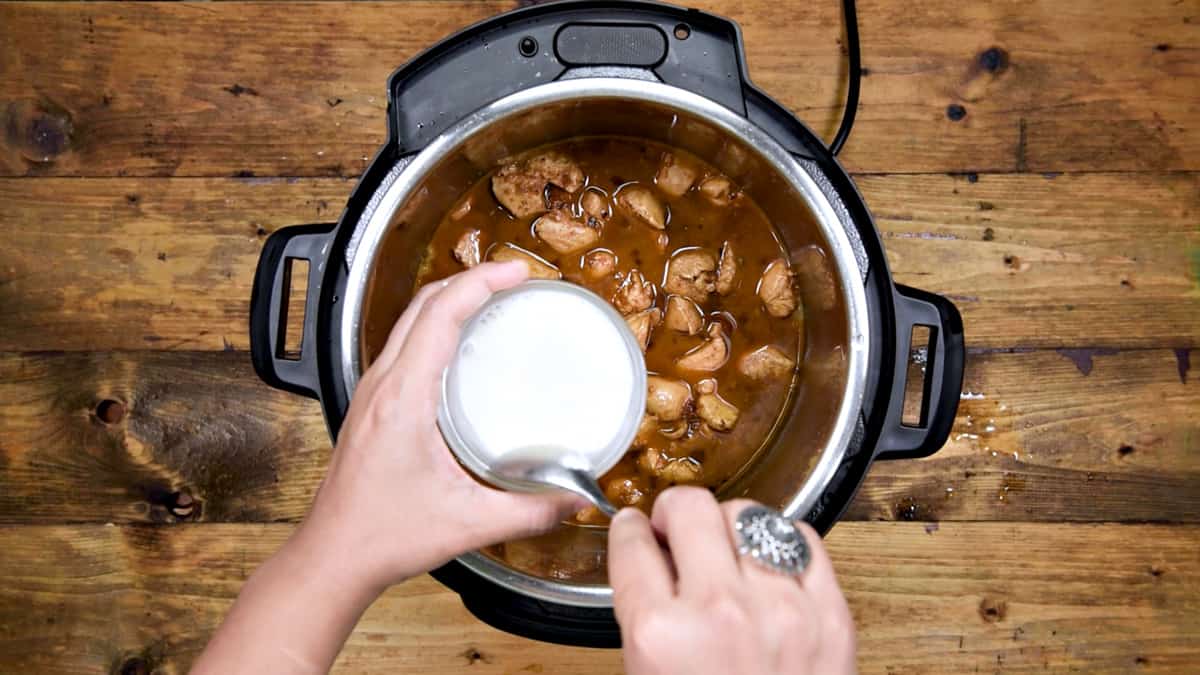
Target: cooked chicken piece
(634, 294)
(709, 356)
(775, 289)
(692, 274)
(646, 430)
(652, 461)
(563, 232)
(717, 189)
(595, 204)
(626, 490)
(467, 251)
(716, 412)
(682, 470)
(640, 201)
(726, 270)
(816, 278)
(643, 323)
(599, 263)
(675, 432)
(766, 363)
(591, 516)
(461, 210)
(683, 315)
(675, 176)
(656, 462)
(667, 400)
(520, 186)
(538, 268)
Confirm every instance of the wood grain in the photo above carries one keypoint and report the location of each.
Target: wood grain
(1094, 260)
(1044, 443)
(167, 89)
(964, 597)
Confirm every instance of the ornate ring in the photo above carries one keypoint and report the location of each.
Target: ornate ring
(772, 540)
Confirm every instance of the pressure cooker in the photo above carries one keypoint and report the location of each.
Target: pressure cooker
(643, 70)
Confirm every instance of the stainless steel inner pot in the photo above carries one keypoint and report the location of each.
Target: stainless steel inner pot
(818, 424)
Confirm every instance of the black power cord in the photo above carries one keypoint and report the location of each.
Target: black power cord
(855, 77)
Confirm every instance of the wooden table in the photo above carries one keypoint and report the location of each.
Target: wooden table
(1035, 161)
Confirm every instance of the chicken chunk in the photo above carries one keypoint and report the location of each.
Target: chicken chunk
(692, 274)
(717, 189)
(538, 268)
(683, 315)
(595, 204)
(521, 185)
(645, 431)
(709, 356)
(599, 263)
(641, 202)
(775, 289)
(591, 516)
(634, 294)
(461, 210)
(726, 270)
(626, 490)
(467, 251)
(642, 324)
(667, 400)
(563, 232)
(675, 175)
(766, 363)
(717, 413)
(656, 463)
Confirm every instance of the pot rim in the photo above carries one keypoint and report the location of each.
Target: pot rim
(374, 225)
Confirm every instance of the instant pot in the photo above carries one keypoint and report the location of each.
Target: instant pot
(645, 70)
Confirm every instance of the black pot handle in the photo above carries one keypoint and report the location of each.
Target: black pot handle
(268, 307)
(943, 375)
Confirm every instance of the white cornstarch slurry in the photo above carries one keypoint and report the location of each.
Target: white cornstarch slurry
(545, 368)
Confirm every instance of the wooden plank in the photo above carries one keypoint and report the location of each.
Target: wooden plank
(166, 89)
(1095, 260)
(1037, 440)
(967, 597)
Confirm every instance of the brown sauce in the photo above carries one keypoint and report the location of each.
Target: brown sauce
(699, 453)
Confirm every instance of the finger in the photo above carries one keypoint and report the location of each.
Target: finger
(505, 516)
(434, 334)
(696, 532)
(399, 333)
(819, 580)
(759, 576)
(638, 569)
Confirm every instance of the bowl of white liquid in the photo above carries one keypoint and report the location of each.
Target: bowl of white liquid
(546, 369)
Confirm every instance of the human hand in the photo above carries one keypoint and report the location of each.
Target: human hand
(394, 501)
(702, 608)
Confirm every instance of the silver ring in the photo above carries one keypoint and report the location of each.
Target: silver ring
(772, 540)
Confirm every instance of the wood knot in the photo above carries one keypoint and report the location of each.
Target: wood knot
(183, 506)
(40, 131)
(993, 611)
(955, 112)
(993, 60)
(134, 665)
(473, 656)
(110, 411)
